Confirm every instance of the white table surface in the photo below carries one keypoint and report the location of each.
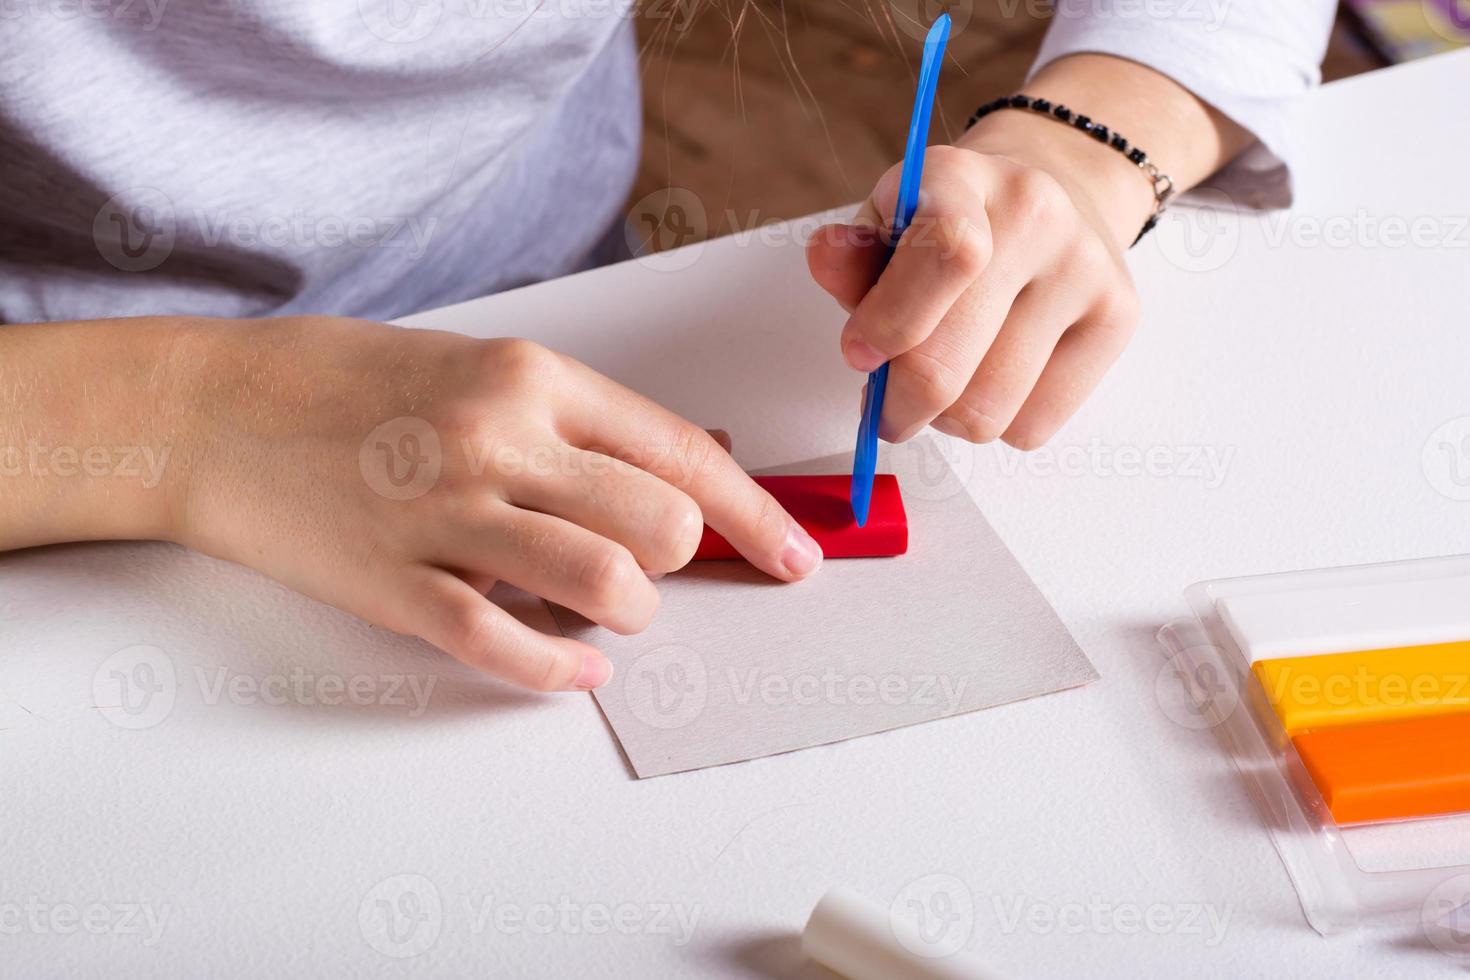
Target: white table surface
(261, 831)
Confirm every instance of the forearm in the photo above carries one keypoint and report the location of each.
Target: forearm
(1184, 137)
(91, 434)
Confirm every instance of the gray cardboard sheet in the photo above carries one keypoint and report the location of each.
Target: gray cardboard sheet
(737, 666)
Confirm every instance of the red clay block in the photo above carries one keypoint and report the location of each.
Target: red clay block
(1391, 769)
(820, 504)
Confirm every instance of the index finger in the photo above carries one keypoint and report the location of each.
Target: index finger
(943, 252)
(605, 417)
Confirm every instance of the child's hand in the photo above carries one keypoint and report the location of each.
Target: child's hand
(398, 474)
(1005, 301)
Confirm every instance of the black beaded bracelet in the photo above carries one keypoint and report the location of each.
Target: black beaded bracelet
(1163, 186)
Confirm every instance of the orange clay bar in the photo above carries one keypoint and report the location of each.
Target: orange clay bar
(1391, 770)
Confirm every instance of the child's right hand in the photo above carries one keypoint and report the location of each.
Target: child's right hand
(398, 474)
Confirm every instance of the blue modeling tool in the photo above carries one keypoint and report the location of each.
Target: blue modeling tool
(865, 459)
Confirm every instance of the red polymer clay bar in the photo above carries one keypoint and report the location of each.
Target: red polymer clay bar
(821, 505)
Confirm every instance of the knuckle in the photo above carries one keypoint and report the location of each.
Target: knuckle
(477, 629)
(1040, 199)
(946, 155)
(696, 450)
(520, 361)
(889, 331)
(1090, 256)
(680, 527)
(933, 384)
(965, 245)
(553, 674)
(463, 507)
(975, 424)
(1119, 310)
(607, 578)
(769, 521)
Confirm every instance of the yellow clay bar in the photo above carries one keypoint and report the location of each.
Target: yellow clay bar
(1337, 689)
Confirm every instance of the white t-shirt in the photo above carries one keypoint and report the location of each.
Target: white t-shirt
(358, 157)
(379, 157)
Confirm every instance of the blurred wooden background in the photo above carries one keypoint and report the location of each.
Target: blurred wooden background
(771, 109)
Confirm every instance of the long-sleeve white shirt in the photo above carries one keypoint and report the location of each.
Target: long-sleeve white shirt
(1252, 60)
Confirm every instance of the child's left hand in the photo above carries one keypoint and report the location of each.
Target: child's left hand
(1005, 302)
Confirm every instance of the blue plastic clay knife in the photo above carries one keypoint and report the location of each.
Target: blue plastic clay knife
(865, 459)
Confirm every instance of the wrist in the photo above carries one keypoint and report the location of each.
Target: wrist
(1187, 139)
(1111, 192)
(90, 445)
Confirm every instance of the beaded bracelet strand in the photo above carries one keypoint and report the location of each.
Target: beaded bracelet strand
(1163, 186)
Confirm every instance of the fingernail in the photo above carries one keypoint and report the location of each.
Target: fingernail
(864, 357)
(948, 426)
(596, 671)
(802, 554)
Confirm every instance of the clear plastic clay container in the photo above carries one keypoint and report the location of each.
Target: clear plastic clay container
(1253, 659)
